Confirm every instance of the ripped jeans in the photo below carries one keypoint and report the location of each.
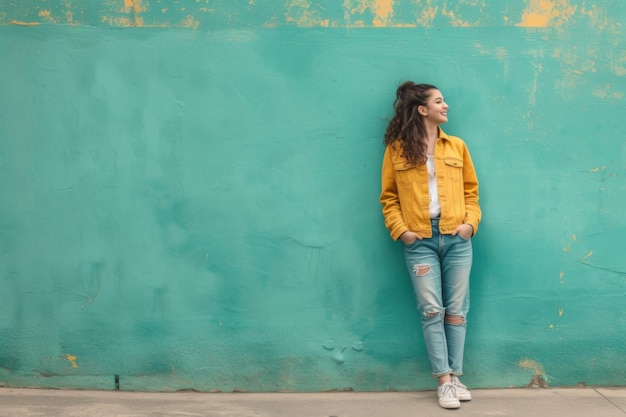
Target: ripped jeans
(440, 269)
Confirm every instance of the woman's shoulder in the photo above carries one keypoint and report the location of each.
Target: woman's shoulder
(394, 148)
(396, 154)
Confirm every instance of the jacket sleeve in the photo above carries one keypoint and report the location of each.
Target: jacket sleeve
(470, 188)
(390, 200)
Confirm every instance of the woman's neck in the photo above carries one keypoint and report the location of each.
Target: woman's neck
(432, 134)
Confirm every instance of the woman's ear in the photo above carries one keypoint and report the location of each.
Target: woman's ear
(422, 110)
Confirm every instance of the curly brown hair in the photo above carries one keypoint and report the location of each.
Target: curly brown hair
(406, 126)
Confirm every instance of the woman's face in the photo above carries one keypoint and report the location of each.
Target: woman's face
(436, 109)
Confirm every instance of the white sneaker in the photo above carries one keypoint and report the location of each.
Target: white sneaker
(462, 393)
(447, 396)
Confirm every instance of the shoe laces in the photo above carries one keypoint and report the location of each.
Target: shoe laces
(448, 390)
(458, 383)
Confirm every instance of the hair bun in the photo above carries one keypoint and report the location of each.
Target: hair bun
(404, 89)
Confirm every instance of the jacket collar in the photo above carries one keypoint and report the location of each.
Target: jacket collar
(443, 135)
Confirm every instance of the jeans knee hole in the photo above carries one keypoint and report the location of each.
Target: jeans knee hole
(431, 314)
(454, 320)
(421, 269)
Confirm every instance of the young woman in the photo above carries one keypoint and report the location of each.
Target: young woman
(430, 201)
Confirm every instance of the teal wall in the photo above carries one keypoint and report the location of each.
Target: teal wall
(189, 191)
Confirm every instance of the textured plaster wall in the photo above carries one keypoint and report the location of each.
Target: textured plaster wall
(189, 191)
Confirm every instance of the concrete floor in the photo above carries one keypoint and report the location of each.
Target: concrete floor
(552, 402)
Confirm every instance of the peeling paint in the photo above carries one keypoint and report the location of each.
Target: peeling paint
(618, 65)
(117, 21)
(300, 12)
(576, 65)
(190, 23)
(71, 359)
(454, 20)
(532, 365)
(427, 16)
(572, 239)
(545, 13)
(383, 11)
(599, 18)
(19, 23)
(138, 7)
(606, 92)
(46, 16)
(349, 13)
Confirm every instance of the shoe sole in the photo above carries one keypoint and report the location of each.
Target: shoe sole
(450, 404)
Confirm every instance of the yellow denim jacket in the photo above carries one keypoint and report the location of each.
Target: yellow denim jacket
(404, 194)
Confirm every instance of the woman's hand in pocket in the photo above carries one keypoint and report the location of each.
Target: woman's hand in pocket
(409, 237)
(464, 230)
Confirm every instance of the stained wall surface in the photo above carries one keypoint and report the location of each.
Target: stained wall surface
(189, 191)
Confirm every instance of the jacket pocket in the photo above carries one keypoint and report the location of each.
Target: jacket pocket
(454, 168)
(405, 173)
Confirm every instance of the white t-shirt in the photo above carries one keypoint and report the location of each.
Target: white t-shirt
(435, 207)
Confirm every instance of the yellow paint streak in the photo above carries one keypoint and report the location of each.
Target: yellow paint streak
(546, 13)
(383, 9)
(137, 9)
(560, 312)
(589, 255)
(531, 364)
(71, 359)
(20, 23)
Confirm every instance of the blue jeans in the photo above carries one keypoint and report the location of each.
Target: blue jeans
(440, 269)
